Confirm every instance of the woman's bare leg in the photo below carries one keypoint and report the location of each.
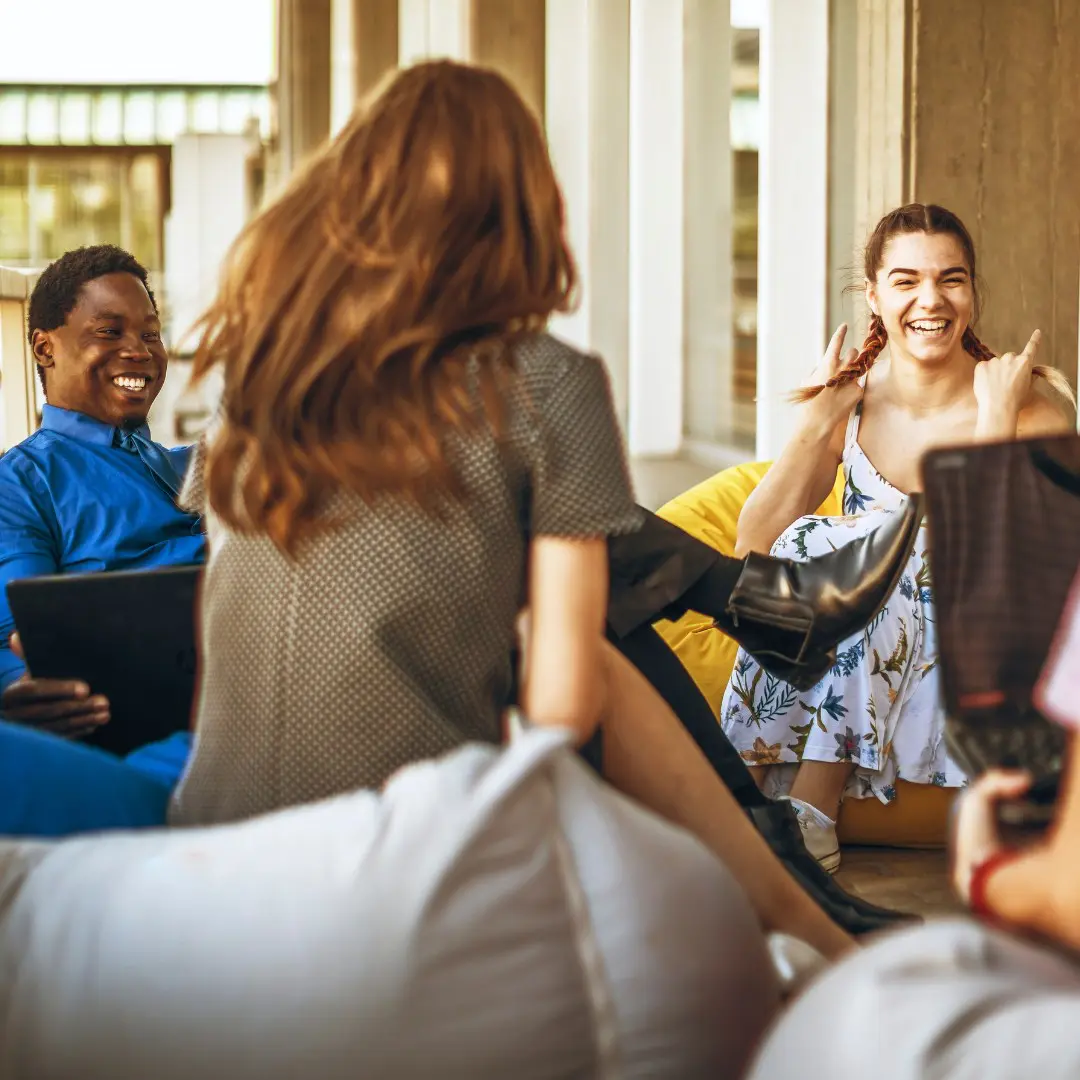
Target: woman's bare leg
(650, 757)
(821, 784)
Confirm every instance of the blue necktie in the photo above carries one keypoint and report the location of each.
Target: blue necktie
(153, 457)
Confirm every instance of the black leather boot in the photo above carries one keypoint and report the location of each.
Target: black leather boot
(779, 825)
(790, 616)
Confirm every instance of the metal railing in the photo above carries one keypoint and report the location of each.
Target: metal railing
(18, 395)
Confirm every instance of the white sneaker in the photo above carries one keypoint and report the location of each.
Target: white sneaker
(819, 834)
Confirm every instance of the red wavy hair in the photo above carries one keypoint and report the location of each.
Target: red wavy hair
(918, 218)
(370, 312)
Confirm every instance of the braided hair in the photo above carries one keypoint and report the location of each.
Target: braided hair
(919, 218)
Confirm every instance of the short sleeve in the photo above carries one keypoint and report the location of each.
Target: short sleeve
(193, 493)
(580, 479)
(1057, 693)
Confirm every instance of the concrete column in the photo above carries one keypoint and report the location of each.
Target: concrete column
(793, 238)
(587, 87)
(883, 115)
(508, 35)
(995, 136)
(976, 106)
(303, 78)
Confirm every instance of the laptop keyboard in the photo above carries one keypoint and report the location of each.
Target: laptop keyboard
(1027, 741)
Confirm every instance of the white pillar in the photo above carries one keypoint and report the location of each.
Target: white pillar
(18, 373)
(793, 249)
(210, 206)
(656, 226)
(433, 28)
(708, 271)
(342, 64)
(587, 120)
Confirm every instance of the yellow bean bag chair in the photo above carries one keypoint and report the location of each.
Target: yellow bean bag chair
(710, 511)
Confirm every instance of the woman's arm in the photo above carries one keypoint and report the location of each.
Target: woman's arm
(563, 682)
(805, 472)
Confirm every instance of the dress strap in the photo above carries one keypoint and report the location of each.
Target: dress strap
(851, 436)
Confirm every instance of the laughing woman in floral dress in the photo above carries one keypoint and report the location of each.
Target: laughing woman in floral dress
(876, 717)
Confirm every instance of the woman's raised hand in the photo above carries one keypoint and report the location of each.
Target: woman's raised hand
(834, 404)
(1002, 385)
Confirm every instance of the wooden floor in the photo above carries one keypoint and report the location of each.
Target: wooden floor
(915, 881)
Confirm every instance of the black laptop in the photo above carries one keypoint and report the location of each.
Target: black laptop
(130, 635)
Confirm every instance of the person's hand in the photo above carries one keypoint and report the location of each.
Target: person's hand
(976, 837)
(833, 405)
(60, 706)
(1002, 385)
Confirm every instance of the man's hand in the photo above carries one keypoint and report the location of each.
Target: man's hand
(60, 706)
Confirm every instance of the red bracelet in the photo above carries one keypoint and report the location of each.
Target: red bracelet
(980, 878)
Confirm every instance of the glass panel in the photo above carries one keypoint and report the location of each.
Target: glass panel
(139, 118)
(205, 118)
(171, 116)
(235, 110)
(75, 118)
(12, 117)
(14, 211)
(108, 119)
(41, 119)
(144, 211)
(745, 122)
(76, 201)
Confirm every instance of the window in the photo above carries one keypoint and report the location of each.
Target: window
(51, 201)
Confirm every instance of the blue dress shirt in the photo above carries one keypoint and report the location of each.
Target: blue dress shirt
(71, 502)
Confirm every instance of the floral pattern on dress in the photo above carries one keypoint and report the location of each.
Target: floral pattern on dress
(879, 706)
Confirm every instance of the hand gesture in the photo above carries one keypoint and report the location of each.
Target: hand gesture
(834, 404)
(1003, 383)
(60, 706)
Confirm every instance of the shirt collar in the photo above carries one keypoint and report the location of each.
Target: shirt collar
(82, 427)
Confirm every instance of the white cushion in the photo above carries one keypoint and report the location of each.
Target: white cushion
(491, 914)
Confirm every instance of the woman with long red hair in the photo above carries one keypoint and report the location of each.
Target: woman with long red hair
(404, 461)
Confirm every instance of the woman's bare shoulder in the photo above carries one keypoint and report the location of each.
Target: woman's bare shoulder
(1045, 415)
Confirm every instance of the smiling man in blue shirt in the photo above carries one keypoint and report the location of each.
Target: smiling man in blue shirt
(89, 490)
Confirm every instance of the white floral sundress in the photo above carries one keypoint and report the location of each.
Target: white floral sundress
(879, 706)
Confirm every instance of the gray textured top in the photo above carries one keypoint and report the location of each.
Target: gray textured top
(389, 639)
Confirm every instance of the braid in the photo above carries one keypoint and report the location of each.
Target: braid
(876, 340)
(975, 347)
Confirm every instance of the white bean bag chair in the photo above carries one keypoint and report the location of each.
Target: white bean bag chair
(951, 1000)
(496, 913)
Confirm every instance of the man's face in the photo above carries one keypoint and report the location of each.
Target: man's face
(107, 360)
